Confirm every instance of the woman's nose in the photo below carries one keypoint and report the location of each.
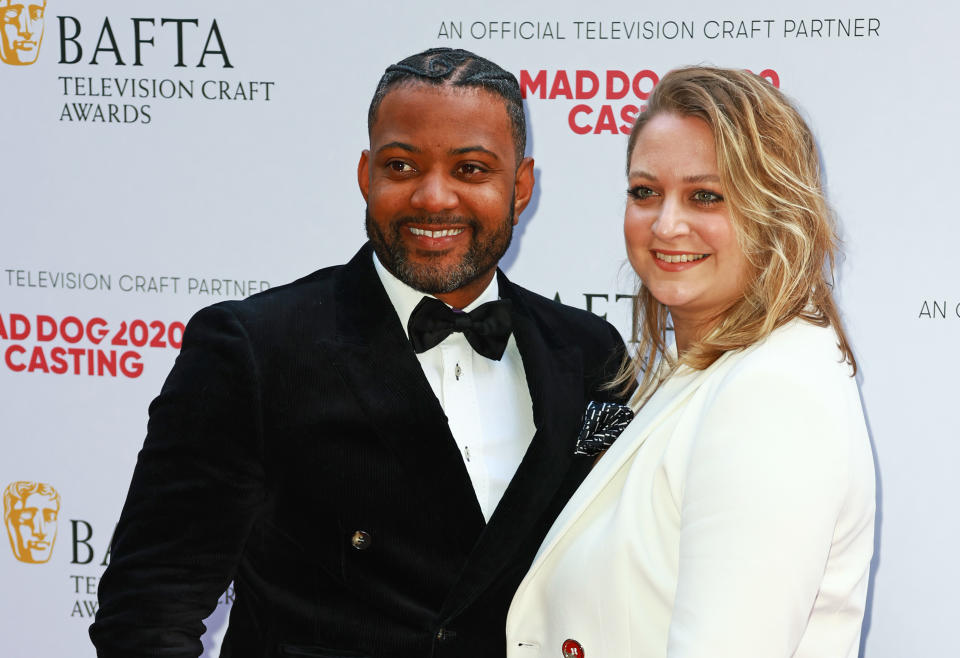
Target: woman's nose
(671, 221)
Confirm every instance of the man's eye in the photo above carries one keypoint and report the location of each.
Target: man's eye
(641, 192)
(11, 14)
(36, 13)
(706, 197)
(399, 166)
(470, 169)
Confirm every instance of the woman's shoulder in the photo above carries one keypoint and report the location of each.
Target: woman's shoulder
(789, 400)
(797, 375)
(799, 350)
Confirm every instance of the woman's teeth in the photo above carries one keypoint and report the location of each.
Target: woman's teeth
(679, 258)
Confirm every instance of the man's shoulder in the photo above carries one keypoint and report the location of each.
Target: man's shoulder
(563, 320)
(317, 286)
(312, 290)
(322, 287)
(597, 341)
(303, 306)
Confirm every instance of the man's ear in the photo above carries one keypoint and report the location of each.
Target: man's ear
(522, 188)
(363, 173)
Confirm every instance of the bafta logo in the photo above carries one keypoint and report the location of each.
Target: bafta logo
(30, 512)
(22, 24)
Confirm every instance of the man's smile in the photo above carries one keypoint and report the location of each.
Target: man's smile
(450, 232)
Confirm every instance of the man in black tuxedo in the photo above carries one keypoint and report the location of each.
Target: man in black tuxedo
(373, 471)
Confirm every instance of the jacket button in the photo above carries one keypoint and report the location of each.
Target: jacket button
(361, 540)
(443, 634)
(572, 649)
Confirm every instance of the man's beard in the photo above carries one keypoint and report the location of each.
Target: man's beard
(486, 249)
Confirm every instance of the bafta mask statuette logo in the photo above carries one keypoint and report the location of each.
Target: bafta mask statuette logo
(30, 511)
(22, 30)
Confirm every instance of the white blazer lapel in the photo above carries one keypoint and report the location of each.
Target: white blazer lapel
(674, 392)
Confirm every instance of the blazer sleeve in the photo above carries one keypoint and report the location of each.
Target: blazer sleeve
(774, 462)
(195, 492)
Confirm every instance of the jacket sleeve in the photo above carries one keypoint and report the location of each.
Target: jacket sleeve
(777, 460)
(604, 364)
(196, 490)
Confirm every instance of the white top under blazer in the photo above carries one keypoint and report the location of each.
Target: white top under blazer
(733, 518)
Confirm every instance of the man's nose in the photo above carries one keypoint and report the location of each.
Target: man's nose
(672, 221)
(39, 526)
(434, 193)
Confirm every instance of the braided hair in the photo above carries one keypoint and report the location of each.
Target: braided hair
(456, 68)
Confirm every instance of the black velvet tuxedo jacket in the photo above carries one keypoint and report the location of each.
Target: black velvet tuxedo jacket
(299, 417)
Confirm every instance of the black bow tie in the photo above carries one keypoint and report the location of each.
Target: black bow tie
(486, 328)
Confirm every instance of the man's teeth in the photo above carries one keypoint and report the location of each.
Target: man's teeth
(679, 258)
(437, 234)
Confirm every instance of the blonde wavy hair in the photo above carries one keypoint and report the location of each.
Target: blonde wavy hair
(770, 174)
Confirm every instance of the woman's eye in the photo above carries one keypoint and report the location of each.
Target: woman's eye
(641, 192)
(706, 197)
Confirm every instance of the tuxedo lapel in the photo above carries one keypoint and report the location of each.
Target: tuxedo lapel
(554, 376)
(376, 362)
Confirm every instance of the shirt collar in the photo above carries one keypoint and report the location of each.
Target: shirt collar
(405, 299)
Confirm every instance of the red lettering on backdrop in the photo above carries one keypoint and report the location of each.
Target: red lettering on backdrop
(175, 335)
(561, 86)
(16, 367)
(118, 338)
(37, 360)
(616, 85)
(71, 321)
(71, 329)
(528, 84)
(624, 80)
(771, 76)
(646, 74)
(629, 114)
(582, 77)
(46, 328)
(96, 336)
(59, 366)
(107, 360)
(76, 353)
(159, 329)
(134, 369)
(19, 326)
(606, 119)
(579, 109)
(606, 123)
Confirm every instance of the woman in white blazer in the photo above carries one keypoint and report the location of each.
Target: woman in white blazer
(733, 518)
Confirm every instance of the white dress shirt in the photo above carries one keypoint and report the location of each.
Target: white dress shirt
(486, 402)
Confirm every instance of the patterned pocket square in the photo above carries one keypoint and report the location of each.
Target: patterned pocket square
(602, 424)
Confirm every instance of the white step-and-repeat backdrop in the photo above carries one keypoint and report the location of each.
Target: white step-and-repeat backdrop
(159, 156)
